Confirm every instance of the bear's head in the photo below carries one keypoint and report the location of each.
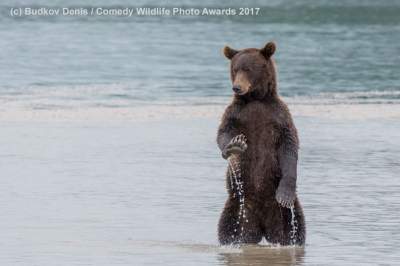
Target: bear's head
(253, 72)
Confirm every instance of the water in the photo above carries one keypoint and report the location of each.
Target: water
(99, 194)
(343, 52)
(108, 133)
(293, 223)
(236, 179)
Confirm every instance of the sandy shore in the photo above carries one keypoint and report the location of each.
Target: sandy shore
(159, 112)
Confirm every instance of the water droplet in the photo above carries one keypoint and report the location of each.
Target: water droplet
(293, 223)
(237, 187)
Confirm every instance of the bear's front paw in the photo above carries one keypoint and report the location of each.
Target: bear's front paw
(237, 144)
(286, 195)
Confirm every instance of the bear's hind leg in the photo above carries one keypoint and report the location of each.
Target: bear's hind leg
(284, 230)
(299, 235)
(235, 229)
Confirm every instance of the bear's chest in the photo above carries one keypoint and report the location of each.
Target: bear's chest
(260, 125)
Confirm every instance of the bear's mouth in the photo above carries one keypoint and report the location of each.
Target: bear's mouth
(242, 92)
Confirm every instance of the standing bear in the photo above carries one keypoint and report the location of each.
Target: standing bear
(259, 139)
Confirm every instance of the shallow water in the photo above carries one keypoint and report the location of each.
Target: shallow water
(150, 193)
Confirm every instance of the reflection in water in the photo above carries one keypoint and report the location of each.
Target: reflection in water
(259, 255)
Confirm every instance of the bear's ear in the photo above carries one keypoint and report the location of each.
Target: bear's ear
(229, 52)
(268, 50)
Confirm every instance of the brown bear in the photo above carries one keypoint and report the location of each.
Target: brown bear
(258, 134)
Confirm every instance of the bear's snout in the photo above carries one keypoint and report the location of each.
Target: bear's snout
(236, 88)
(241, 84)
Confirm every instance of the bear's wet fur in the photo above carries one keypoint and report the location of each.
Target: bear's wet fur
(268, 161)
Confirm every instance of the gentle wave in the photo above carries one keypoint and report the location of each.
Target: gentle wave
(120, 95)
(355, 97)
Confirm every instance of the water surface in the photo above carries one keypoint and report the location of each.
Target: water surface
(150, 193)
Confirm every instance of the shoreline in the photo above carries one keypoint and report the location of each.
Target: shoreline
(161, 112)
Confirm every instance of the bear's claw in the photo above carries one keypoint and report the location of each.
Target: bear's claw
(238, 144)
(285, 196)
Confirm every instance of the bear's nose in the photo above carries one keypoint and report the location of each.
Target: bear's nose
(236, 88)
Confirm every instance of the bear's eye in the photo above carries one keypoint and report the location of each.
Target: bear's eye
(246, 69)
